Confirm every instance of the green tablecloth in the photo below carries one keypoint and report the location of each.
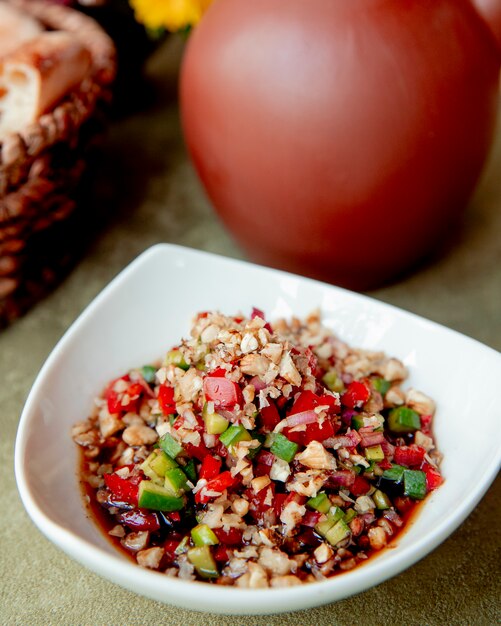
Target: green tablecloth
(148, 193)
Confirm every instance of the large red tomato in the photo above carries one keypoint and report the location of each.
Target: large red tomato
(340, 138)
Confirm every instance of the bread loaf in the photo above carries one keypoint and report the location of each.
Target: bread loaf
(35, 76)
(16, 27)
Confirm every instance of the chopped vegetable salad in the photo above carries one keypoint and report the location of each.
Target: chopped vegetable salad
(258, 455)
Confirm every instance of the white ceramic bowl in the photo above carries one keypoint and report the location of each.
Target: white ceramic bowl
(146, 309)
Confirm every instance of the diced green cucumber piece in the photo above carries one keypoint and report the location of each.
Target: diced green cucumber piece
(176, 357)
(357, 421)
(402, 419)
(381, 500)
(215, 424)
(170, 446)
(148, 372)
(157, 498)
(234, 434)
(415, 484)
(374, 453)
(349, 515)
(191, 471)
(162, 463)
(149, 471)
(202, 535)
(323, 528)
(333, 381)
(320, 502)
(395, 473)
(338, 532)
(203, 561)
(335, 513)
(175, 481)
(381, 384)
(283, 448)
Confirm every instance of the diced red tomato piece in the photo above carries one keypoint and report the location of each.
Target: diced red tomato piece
(223, 392)
(140, 520)
(270, 416)
(262, 470)
(404, 504)
(356, 395)
(311, 518)
(260, 501)
(410, 456)
(166, 399)
(170, 547)
(433, 477)
(220, 554)
(210, 467)
(360, 486)
(279, 502)
(199, 452)
(123, 401)
(231, 537)
(385, 464)
(297, 436)
(258, 313)
(174, 516)
(426, 421)
(265, 457)
(123, 489)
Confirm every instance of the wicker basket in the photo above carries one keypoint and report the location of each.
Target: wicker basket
(40, 169)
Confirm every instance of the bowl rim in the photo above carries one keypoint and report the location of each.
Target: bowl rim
(234, 600)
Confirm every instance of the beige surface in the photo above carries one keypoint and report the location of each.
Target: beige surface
(157, 198)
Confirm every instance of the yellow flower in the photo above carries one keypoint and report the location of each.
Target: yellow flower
(170, 14)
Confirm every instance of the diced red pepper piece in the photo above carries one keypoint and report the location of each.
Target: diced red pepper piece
(224, 481)
(218, 484)
(360, 486)
(166, 399)
(123, 489)
(318, 432)
(140, 520)
(356, 395)
(210, 467)
(230, 537)
(219, 372)
(270, 417)
(306, 401)
(223, 392)
(410, 456)
(433, 477)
